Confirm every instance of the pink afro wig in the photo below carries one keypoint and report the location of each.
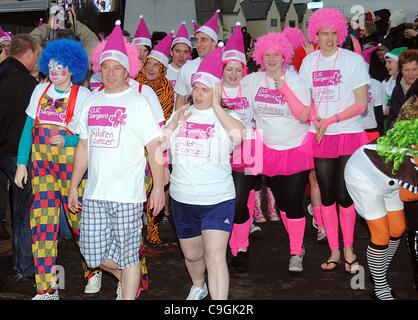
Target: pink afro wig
(327, 18)
(134, 63)
(273, 42)
(295, 37)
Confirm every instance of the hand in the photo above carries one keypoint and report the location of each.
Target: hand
(57, 140)
(216, 96)
(278, 83)
(322, 126)
(73, 204)
(157, 200)
(21, 175)
(308, 47)
(181, 114)
(166, 176)
(410, 33)
(3, 56)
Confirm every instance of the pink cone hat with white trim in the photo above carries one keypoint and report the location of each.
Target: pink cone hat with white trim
(142, 35)
(182, 36)
(211, 27)
(161, 52)
(41, 22)
(115, 48)
(195, 26)
(210, 69)
(4, 36)
(234, 49)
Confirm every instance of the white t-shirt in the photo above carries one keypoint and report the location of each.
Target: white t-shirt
(150, 95)
(172, 74)
(368, 119)
(387, 89)
(281, 130)
(184, 78)
(118, 127)
(200, 151)
(54, 111)
(333, 81)
(153, 101)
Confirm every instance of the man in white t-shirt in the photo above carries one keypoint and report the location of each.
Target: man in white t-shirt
(206, 40)
(338, 81)
(115, 126)
(181, 50)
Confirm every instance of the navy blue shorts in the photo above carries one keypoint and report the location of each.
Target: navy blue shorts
(190, 219)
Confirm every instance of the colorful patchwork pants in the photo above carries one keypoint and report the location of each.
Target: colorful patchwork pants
(51, 176)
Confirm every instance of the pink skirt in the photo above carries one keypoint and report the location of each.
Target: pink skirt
(334, 146)
(286, 162)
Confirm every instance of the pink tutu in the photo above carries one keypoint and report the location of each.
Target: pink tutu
(334, 146)
(286, 162)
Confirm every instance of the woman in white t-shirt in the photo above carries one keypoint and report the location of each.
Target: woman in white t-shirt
(338, 80)
(51, 133)
(201, 185)
(236, 97)
(280, 103)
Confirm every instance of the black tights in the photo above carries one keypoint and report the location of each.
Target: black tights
(243, 186)
(289, 192)
(330, 176)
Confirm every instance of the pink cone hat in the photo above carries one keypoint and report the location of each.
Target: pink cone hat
(4, 36)
(142, 35)
(195, 26)
(210, 69)
(211, 27)
(234, 49)
(115, 48)
(41, 22)
(182, 36)
(161, 52)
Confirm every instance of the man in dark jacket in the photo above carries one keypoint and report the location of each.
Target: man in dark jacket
(16, 87)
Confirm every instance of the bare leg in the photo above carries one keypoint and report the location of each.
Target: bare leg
(215, 244)
(193, 257)
(113, 268)
(130, 282)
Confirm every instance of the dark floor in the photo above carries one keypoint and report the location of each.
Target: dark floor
(267, 277)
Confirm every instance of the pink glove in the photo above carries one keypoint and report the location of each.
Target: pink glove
(295, 105)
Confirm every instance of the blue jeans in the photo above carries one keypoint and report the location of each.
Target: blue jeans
(22, 202)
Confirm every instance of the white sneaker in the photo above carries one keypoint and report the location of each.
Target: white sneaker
(296, 263)
(197, 293)
(94, 284)
(47, 296)
(119, 292)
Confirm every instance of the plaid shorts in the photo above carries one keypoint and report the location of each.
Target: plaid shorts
(111, 231)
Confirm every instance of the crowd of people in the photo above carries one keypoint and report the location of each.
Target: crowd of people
(118, 132)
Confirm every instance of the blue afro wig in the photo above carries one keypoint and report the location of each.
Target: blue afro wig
(70, 54)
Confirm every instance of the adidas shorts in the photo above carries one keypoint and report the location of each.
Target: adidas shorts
(190, 219)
